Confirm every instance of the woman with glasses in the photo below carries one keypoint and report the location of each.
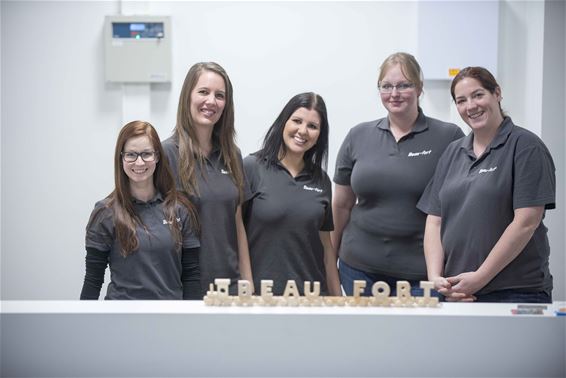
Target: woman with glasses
(208, 167)
(485, 240)
(382, 168)
(143, 230)
(289, 217)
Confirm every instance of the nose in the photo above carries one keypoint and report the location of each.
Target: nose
(395, 91)
(139, 161)
(302, 129)
(470, 104)
(210, 99)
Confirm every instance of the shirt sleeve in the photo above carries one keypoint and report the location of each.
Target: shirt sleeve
(250, 171)
(344, 162)
(247, 190)
(328, 221)
(429, 203)
(534, 180)
(190, 239)
(100, 228)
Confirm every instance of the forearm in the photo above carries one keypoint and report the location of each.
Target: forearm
(244, 263)
(95, 268)
(434, 253)
(190, 275)
(511, 243)
(330, 260)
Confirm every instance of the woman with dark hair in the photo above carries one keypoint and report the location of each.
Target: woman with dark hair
(381, 171)
(485, 240)
(143, 229)
(208, 167)
(289, 216)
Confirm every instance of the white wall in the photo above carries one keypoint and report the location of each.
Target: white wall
(60, 120)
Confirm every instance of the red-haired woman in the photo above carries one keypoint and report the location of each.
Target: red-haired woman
(143, 230)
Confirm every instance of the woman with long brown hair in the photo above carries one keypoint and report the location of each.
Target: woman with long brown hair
(143, 229)
(208, 167)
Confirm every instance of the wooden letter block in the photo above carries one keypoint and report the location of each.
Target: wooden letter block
(315, 290)
(404, 293)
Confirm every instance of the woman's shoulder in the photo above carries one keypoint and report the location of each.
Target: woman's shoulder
(102, 213)
(442, 127)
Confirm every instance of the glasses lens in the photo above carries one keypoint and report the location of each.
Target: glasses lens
(129, 156)
(386, 88)
(148, 156)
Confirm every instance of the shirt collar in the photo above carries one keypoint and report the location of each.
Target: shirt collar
(158, 198)
(304, 173)
(500, 138)
(419, 126)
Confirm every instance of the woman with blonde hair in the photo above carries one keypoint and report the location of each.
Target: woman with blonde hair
(207, 166)
(381, 171)
(143, 229)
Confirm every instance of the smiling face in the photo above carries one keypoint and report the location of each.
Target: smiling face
(208, 99)
(139, 172)
(477, 106)
(301, 131)
(398, 102)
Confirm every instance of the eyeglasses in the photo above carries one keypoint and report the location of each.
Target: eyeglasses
(401, 87)
(147, 156)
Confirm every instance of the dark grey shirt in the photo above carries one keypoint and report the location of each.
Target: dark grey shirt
(283, 220)
(476, 199)
(216, 204)
(153, 271)
(385, 231)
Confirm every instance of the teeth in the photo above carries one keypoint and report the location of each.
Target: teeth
(475, 115)
(299, 139)
(208, 112)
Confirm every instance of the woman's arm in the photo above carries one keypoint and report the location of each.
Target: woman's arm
(243, 249)
(434, 256)
(510, 244)
(190, 275)
(95, 266)
(332, 279)
(343, 201)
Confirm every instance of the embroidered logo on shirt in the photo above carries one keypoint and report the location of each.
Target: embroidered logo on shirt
(224, 172)
(487, 170)
(165, 221)
(318, 190)
(422, 153)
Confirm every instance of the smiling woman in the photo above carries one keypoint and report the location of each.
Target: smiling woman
(207, 166)
(502, 173)
(143, 229)
(382, 169)
(289, 216)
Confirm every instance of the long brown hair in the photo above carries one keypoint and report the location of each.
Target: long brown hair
(223, 134)
(121, 200)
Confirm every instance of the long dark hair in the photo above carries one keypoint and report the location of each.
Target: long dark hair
(223, 134)
(273, 145)
(121, 201)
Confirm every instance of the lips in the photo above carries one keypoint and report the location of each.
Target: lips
(299, 140)
(208, 112)
(475, 115)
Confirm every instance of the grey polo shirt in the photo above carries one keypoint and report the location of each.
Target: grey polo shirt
(153, 271)
(283, 220)
(216, 205)
(385, 231)
(476, 199)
